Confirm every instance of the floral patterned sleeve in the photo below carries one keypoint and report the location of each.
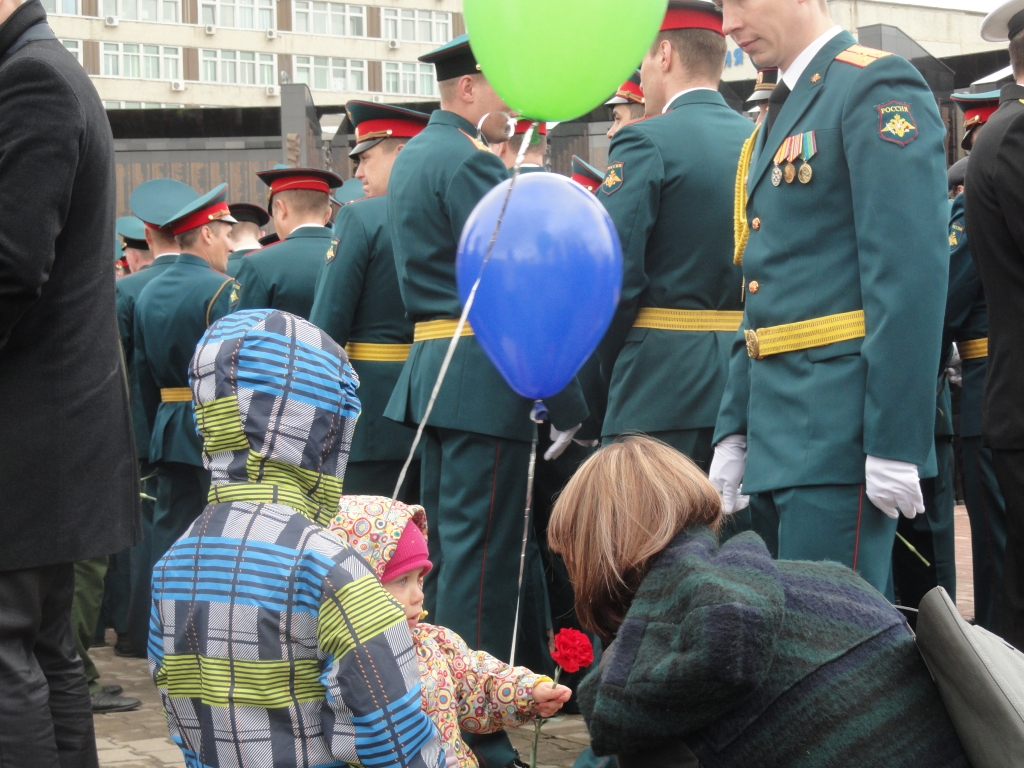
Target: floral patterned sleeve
(492, 695)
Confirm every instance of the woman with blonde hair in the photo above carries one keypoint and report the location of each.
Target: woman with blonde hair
(721, 650)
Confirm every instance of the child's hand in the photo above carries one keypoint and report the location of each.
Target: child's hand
(550, 698)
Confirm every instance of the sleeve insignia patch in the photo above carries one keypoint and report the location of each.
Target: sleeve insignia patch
(896, 123)
(613, 178)
(952, 240)
(233, 297)
(956, 229)
(332, 251)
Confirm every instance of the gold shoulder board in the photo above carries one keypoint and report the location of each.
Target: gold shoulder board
(861, 56)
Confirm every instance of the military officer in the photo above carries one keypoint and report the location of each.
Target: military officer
(477, 439)
(977, 109)
(357, 301)
(666, 353)
(171, 315)
(536, 153)
(284, 276)
(132, 233)
(586, 175)
(246, 234)
(627, 104)
(829, 409)
(153, 202)
(767, 79)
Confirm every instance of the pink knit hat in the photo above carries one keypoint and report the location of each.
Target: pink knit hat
(390, 535)
(410, 554)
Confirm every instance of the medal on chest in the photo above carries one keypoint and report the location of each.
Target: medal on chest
(793, 147)
(809, 150)
(780, 155)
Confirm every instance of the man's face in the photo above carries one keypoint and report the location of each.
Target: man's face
(374, 168)
(760, 27)
(620, 119)
(219, 245)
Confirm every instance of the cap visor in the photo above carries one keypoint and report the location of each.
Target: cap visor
(362, 146)
(228, 219)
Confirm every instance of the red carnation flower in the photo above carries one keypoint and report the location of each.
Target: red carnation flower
(573, 650)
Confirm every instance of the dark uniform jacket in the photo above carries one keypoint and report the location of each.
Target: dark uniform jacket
(171, 315)
(868, 232)
(235, 260)
(127, 291)
(437, 180)
(283, 276)
(68, 473)
(672, 200)
(966, 319)
(994, 199)
(357, 300)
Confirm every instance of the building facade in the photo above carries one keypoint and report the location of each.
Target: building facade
(237, 53)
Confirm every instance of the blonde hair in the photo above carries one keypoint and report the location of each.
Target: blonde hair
(621, 508)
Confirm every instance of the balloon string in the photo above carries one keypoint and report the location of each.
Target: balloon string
(462, 323)
(526, 534)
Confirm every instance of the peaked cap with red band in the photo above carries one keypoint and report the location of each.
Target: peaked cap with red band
(692, 14)
(977, 109)
(523, 124)
(281, 178)
(375, 122)
(629, 92)
(586, 175)
(158, 201)
(212, 206)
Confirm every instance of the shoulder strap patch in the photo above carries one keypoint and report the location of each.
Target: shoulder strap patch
(476, 142)
(861, 55)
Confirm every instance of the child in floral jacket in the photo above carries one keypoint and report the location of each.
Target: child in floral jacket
(461, 689)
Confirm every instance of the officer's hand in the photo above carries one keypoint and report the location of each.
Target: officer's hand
(727, 472)
(559, 442)
(893, 487)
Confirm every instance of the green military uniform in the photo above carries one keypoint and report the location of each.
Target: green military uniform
(477, 443)
(359, 305)
(235, 261)
(154, 202)
(815, 400)
(171, 315)
(284, 276)
(967, 324)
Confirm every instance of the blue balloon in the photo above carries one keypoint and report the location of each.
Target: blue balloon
(552, 283)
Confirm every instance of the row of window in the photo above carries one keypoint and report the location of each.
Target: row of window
(140, 105)
(236, 67)
(146, 62)
(309, 16)
(333, 74)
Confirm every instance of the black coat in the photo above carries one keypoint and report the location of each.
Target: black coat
(994, 212)
(68, 477)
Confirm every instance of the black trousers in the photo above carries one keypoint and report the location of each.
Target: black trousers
(1009, 466)
(45, 710)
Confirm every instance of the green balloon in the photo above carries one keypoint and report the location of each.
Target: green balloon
(559, 59)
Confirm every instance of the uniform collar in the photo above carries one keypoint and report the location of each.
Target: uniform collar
(671, 103)
(191, 258)
(244, 249)
(1010, 92)
(164, 258)
(792, 75)
(309, 230)
(24, 17)
(700, 95)
(444, 117)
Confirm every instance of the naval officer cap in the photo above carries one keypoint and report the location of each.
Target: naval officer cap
(692, 14)
(629, 92)
(767, 79)
(157, 201)
(282, 178)
(1004, 23)
(453, 59)
(977, 109)
(586, 175)
(376, 122)
(249, 213)
(132, 232)
(211, 207)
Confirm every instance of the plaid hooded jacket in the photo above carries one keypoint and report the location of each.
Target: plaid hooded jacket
(271, 642)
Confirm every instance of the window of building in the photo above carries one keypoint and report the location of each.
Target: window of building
(337, 19)
(409, 79)
(139, 105)
(147, 62)
(63, 7)
(417, 26)
(140, 10)
(236, 67)
(239, 14)
(75, 47)
(330, 74)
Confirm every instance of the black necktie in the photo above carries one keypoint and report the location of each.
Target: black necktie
(775, 102)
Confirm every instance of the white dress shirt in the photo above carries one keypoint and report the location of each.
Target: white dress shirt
(684, 91)
(792, 75)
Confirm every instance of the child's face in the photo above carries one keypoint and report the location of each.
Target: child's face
(408, 590)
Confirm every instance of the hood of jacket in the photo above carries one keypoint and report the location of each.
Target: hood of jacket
(372, 525)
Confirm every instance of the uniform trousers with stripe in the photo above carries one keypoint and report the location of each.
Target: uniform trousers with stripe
(833, 522)
(474, 493)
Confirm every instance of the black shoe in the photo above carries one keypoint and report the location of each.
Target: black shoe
(113, 690)
(124, 648)
(103, 702)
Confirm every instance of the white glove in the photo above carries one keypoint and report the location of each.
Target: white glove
(727, 472)
(559, 442)
(893, 487)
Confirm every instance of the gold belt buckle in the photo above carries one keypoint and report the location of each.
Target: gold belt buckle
(753, 344)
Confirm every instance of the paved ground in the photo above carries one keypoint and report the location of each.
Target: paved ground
(139, 739)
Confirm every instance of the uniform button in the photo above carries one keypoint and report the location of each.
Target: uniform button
(753, 287)
(755, 224)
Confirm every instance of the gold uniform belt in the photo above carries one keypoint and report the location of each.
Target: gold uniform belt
(806, 334)
(688, 319)
(973, 349)
(439, 329)
(380, 353)
(175, 395)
